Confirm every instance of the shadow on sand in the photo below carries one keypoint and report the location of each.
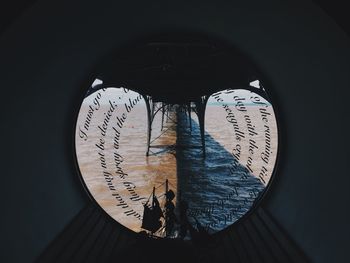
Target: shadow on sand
(218, 189)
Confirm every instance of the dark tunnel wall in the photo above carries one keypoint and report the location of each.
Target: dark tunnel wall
(46, 57)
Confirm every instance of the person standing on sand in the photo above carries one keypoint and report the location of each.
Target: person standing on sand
(170, 217)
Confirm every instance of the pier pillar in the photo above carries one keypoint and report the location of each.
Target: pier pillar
(163, 112)
(189, 115)
(201, 106)
(148, 101)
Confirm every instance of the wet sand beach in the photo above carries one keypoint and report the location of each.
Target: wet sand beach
(219, 188)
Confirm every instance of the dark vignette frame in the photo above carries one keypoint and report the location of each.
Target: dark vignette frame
(265, 81)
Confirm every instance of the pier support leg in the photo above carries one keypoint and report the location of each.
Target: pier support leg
(148, 102)
(167, 113)
(163, 112)
(201, 106)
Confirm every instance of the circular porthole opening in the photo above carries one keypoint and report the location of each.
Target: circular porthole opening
(176, 136)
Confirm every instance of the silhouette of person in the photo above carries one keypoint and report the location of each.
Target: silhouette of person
(170, 216)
